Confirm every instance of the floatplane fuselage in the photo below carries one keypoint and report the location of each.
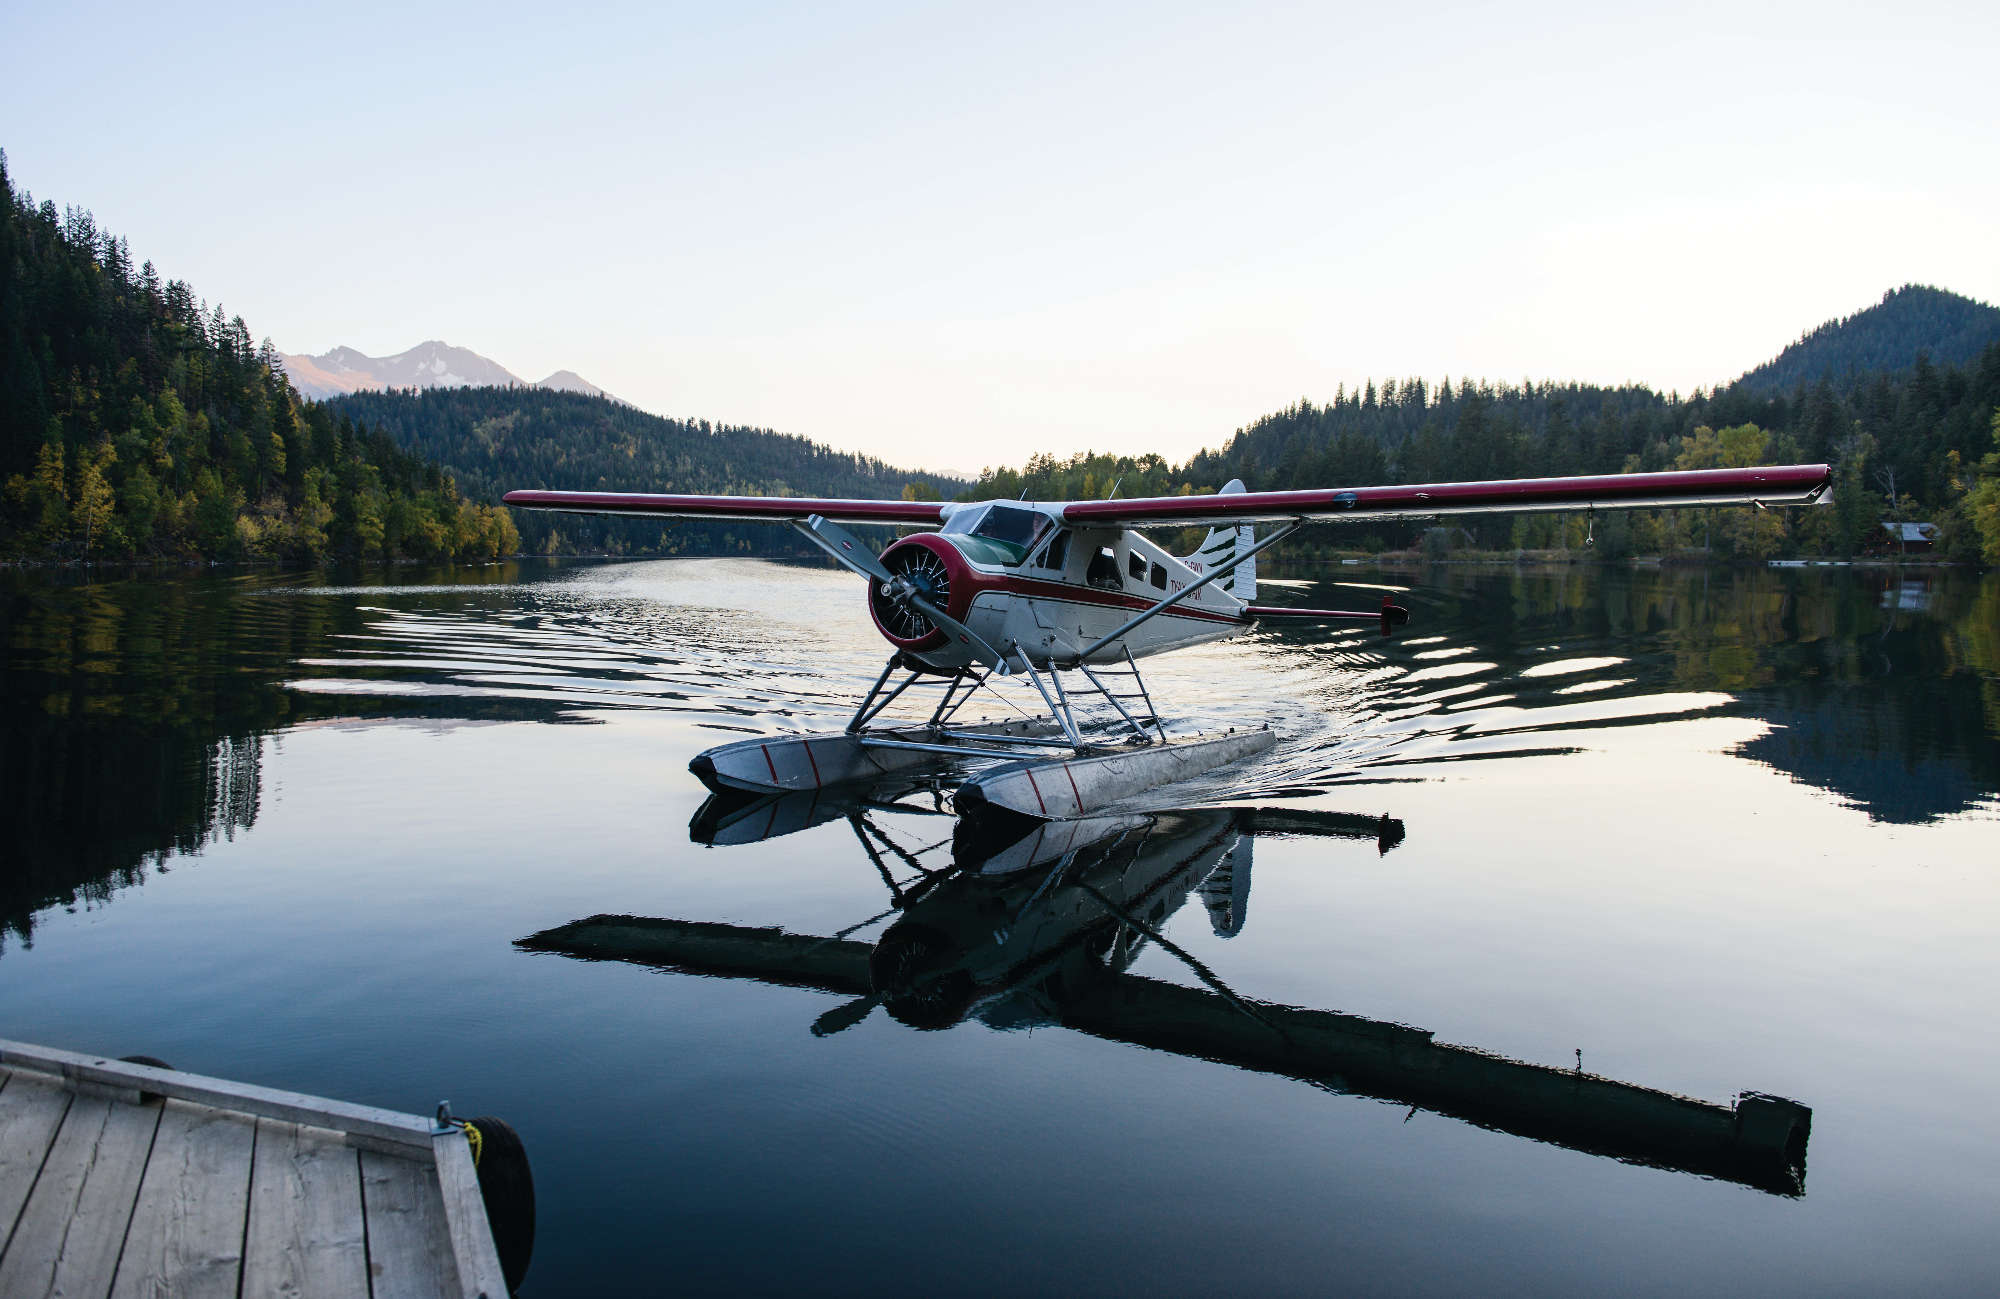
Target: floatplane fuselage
(1016, 576)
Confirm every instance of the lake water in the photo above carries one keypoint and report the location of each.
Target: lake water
(1694, 833)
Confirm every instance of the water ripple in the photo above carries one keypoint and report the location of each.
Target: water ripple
(777, 647)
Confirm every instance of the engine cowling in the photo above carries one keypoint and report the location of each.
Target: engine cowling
(932, 565)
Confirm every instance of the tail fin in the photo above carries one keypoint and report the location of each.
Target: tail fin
(1226, 891)
(1224, 544)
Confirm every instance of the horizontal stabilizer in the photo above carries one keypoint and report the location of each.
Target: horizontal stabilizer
(1389, 615)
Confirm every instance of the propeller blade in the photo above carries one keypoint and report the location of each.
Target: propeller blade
(844, 1016)
(844, 546)
(953, 627)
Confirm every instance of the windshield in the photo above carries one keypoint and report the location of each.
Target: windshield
(1014, 527)
(1012, 524)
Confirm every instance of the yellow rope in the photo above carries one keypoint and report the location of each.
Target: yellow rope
(473, 1139)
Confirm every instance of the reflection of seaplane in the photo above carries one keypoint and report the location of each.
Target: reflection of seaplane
(1052, 590)
(1042, 922)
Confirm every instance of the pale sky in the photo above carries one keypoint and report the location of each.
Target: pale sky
(954, 237)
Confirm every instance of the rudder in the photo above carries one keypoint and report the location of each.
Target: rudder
(1223, 544)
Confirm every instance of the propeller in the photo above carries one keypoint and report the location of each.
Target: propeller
(847, 549)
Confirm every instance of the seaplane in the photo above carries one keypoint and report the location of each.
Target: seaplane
(1069, 596)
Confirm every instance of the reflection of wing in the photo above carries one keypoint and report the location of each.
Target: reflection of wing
(1767, 484)
(773, 509)
(1759, 1141)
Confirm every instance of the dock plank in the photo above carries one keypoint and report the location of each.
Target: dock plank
(70, 1231)
(305, 1234)
(186, 1237)
(409, 1251)
(31, 1110)
(478, 1259)
(360, 1122)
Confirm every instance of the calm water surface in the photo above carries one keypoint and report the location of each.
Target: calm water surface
(1698, 834)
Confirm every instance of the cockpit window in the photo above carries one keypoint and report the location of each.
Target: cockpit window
(1013, 525)
(964, 521)
(1013, 529)
(1056, 554)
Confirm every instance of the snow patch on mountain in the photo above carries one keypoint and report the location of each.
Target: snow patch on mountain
(432, 363)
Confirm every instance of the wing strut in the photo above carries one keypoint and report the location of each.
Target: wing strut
(1161, 606)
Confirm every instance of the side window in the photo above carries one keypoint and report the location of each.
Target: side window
(1104, 570)
(1160, 576)
(1057, 555)
(1135, 566)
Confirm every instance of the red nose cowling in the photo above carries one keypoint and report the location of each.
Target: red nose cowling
(939, 573)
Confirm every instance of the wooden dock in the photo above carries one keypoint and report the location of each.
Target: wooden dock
(122, 1180)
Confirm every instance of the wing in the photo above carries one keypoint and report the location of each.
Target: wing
(1763, 485)
(772, 509)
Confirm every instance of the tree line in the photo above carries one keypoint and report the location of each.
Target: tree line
(136, 422)
(1917, 445)
(493, 440)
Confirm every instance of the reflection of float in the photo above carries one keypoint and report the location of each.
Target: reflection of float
(1041, 923)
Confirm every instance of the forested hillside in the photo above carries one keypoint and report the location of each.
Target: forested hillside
(135, 422)
(1887, 338)
(1914, 446)
(493, 440)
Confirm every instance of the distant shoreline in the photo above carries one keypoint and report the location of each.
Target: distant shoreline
(1398, 559)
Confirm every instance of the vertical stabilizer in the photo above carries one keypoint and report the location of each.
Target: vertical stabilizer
(1226, 891)
(1224, 544)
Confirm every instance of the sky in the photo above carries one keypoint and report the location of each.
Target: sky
(956, 236)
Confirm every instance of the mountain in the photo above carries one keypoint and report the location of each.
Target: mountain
(495, 439)
(571, 381)
(1883, 339)
(430, 364)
